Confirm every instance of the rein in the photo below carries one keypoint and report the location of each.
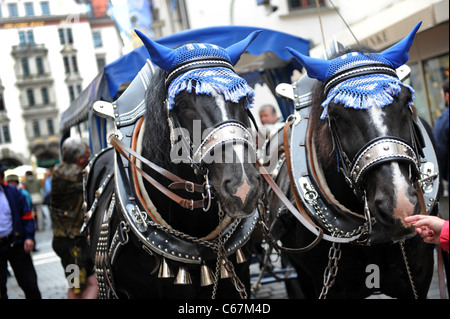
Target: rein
(301, 213)
(177, 181)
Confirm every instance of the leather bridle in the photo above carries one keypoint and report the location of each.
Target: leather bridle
(379, 150)
(224, 133)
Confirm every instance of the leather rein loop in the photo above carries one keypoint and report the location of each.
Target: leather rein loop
(178, 183)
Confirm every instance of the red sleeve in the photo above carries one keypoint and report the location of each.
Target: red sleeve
(444, 236)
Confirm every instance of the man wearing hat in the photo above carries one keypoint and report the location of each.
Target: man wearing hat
(14, 180)
(16, 239)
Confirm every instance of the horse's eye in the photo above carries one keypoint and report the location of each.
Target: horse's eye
(180, 103)
(333, 115)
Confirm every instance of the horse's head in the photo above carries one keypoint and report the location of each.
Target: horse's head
(368, 122)
(209, 128)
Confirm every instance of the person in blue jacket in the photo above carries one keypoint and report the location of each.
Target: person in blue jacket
(441, 135)
(17, 230)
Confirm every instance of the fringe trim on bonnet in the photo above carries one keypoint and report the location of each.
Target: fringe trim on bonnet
(205, 81)
(365, 92)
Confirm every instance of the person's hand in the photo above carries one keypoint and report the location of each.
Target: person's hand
(428, 227)
(28, 245)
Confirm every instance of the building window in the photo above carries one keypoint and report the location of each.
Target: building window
(6, 135)
(304, 4)
(25, 67)
(70, 64)
(22, 38)
(71, 93)
(12, 8)
(101, 62)
(50, 127)
(97, 37)
(29, 9)
(26, 37)
(435, 71)
(45, 97)
(2, 103)
(65, 36)
(45, 9)
(40, 66)
(36, 128)
(30, 37)
(74, 64)
(30, 97)
(66, 64)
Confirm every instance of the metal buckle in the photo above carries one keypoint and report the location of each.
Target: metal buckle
(189, 186)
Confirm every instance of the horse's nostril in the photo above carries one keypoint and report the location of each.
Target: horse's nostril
(382, 204)
(226, 185)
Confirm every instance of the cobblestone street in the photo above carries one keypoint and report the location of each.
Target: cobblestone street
(52, 283)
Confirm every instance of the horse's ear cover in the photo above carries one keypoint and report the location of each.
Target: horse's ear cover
(235, 51)
(361, 91)
(165, 57)
(222, 80)
(160, 55)
(396, 56)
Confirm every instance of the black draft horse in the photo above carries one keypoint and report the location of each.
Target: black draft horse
(195, 149)
(340, 131)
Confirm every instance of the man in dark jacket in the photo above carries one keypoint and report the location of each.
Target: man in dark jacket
(16, 240)
(441, 136)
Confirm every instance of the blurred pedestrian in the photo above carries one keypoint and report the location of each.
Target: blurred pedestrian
(14, 180)
(17, 230)
(34, 187)
(66, 200)
(441, 135)
(268, 114)
(48, 186)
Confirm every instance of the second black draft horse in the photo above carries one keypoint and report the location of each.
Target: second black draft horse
(364, 154)
(171, 206)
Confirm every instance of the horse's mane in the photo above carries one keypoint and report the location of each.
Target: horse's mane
(156, 144)
(322, 137)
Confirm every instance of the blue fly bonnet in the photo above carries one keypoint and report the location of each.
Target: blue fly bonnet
(360, 80)
(202, 68)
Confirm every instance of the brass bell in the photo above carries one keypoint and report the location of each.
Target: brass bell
(240, 257)
(183, 277)
(164, 269)
(206, 276)
(223, 270)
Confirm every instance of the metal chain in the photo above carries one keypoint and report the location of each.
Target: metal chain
(311, 196)
(210, 244)
(411, 280)
(221, 255)
(329, 275)
(219, 249)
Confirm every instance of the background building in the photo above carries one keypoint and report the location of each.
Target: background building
(377, 24)
(50, 51)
